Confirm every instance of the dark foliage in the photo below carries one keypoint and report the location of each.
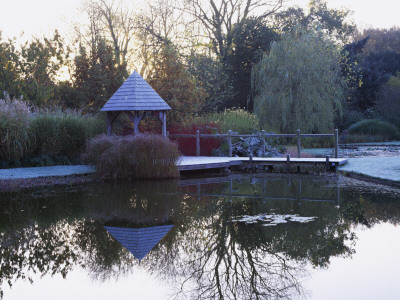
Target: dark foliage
(212, 77)
(388, 104)
(381, 39)
(172, 81)
(377, 68)
(356, 48)
(333, 21)
(31, 71)
(96, 77)
(250, 40)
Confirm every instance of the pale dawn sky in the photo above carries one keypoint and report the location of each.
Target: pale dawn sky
(41, 17)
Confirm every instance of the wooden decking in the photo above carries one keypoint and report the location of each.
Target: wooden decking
(189, 163)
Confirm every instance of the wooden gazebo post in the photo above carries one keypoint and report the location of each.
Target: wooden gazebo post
(162, 115)
(135, 97)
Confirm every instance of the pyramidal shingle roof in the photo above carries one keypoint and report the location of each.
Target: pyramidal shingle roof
(135, 94)
(139, 241)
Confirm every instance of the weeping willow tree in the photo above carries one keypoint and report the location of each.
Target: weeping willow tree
(298, 84)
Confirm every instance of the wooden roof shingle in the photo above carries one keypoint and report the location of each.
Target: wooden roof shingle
(135, 94)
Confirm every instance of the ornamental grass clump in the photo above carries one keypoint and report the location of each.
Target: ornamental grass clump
(15, 140)
(144, 156)
(155, 157)
(97, 146)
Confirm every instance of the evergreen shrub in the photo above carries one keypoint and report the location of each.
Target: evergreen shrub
(379, 130)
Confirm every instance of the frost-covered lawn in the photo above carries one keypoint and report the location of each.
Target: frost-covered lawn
(392, 143)
(378, 167)
(24, 173)
(360, 150)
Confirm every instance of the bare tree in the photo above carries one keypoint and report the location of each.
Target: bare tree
(219, 17)
(110, 20)
(158, 24)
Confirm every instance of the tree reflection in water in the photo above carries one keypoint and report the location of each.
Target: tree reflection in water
(205, 255)
(223, 261)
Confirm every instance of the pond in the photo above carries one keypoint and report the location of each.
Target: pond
(260, 236)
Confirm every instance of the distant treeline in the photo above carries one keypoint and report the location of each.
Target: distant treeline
(204, 58)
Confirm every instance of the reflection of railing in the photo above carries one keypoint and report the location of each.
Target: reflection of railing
(264, 196)
(263, 136)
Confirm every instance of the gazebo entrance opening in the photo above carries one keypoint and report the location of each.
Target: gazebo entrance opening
(136, 117)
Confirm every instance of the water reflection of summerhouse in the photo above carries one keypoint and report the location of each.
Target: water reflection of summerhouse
(137, 216)
(139, 241)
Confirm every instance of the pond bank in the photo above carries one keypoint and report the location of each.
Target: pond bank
(20, 178)
(9, 185)
(382, 170)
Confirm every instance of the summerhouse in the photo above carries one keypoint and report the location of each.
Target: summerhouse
(136, 98)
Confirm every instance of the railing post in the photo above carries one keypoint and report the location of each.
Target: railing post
(288, 162)
(230, 142)
(263, 142)
(336, 143)
(197, 143)
(198, 191)
(298, 143)
(327, 163)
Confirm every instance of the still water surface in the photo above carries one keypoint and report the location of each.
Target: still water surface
(184, 240)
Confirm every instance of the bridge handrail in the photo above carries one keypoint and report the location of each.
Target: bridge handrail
(263, 135)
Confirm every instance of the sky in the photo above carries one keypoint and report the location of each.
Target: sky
(36, 17)
(41, 17)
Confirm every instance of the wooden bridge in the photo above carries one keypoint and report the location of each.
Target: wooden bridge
(189, 163)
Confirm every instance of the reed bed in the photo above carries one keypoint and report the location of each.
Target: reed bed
(145, 156)
(15, 140)
(57, 132)
(26, 136)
